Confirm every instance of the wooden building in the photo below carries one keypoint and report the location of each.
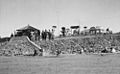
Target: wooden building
(75, 30)
(31, 32)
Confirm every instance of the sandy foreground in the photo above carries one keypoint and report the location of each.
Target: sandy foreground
(64, 64)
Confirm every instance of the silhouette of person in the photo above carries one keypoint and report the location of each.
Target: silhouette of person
(45, 34)
(49, 35)
(42, 35)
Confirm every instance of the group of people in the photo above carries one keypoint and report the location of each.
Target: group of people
(36, 35)
(47, 35)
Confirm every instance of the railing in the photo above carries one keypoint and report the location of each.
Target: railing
(34, 44)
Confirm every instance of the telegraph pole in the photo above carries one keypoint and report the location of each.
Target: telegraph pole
(57, 15)
(79, 27)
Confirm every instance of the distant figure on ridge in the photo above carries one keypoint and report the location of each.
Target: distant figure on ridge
(49, 35)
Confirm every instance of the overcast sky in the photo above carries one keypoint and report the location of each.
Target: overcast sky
(43, 14)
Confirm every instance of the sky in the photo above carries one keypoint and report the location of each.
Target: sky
(43, 14)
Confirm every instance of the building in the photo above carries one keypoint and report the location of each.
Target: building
(31, 32)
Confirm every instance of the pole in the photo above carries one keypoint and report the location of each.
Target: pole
(57, 15)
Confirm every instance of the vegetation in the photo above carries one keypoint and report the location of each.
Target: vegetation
(90, 44)
(68, 45)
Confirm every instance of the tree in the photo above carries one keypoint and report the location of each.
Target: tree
(85, 27)
(63, 31)
(11, 35)
(107, 30)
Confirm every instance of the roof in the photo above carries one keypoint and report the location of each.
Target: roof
(54, 26)
(94, 28)
(28, 27)
(74, 27)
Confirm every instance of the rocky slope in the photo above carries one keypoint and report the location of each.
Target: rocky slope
(20, 46)
(76, 45)
(89, 44)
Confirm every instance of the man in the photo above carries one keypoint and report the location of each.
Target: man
(49, 35)
(45, 34)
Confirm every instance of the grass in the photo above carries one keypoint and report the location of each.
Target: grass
(63, 64)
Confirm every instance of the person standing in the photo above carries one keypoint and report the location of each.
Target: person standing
(49, 35)
(38, 35)
(52, 34)
(45, 34)
(42, 35)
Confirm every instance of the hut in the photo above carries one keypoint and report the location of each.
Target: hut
(31, 32)
(94, 30)
(75, 30)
